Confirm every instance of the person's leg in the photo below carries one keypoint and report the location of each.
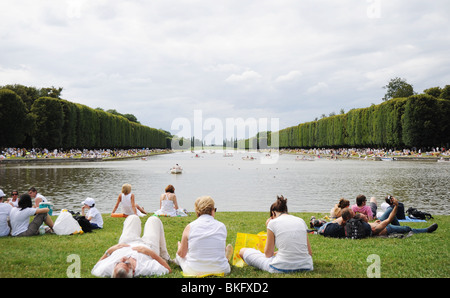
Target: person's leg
(405, 229)
(49, 222)
(255, 258)
(155, 238)
(33, 227)
(373, 206)
(131, 229)
(386, 216)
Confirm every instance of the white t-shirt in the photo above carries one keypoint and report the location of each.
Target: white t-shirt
(291, 241)
(145, 265)
(5, 210)
(20, 219)
(96, 216)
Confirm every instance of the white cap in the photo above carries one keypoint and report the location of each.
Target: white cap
(2, 194)
(89, 201)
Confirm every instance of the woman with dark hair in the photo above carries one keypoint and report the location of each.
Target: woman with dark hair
(168, 205)
(289, 234)
(20, 218)
(335, 212)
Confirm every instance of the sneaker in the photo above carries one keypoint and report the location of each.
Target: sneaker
(432, 228)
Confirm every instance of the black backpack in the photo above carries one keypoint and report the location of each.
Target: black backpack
(414, 213)
(82, 221)
(355, 228)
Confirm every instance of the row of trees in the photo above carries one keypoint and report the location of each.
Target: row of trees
(421, 120)
(52, 122)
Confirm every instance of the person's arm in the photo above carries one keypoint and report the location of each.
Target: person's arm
(42, 210)
(133, 204)
(269, 249)
(309, 246)
(146, 251)
(183, 245)
(175, 203)
(112, 249)
(117, 204)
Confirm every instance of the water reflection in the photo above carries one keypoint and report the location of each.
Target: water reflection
(235, 184)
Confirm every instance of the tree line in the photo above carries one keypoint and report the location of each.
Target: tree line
(419, 120)
(51, 122)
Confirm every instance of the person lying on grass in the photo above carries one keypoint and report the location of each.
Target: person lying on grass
(388, 223)
(135, 255)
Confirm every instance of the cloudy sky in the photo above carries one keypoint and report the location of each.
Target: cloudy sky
(264, 59)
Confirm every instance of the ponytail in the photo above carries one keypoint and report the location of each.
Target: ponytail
(280, 205)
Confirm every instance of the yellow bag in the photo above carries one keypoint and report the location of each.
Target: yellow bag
(250, 241)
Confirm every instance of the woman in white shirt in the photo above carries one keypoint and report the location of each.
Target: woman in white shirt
(289, 234)
(203, 250)
(129, 205)
(20, 218)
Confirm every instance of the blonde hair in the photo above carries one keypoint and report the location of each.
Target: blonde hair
(126, 188)
(204, 205)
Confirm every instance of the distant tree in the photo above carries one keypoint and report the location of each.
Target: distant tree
(131, 118)
(434, 91)
(445, 93)
(52, 92)
(396, 88)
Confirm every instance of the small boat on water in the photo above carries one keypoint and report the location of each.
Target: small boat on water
(304, 158)
(387, 159)
(176, 169)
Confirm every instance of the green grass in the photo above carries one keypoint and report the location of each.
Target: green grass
(419, 256)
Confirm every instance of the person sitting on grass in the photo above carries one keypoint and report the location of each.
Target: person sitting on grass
(361, 207)
(289, 234)
(203, 249)
(93, 215)
(135, 255)
(20, 218)
(129, 205)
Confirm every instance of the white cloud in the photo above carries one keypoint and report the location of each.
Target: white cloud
(317, 88)
(291, 76)
(246, 76)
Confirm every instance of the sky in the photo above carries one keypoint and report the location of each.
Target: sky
(167, 60)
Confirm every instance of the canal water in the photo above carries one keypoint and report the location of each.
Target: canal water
(234, 183)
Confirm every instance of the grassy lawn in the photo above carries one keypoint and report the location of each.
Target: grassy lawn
(419, 256)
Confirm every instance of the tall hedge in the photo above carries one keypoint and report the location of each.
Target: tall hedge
(417, 121)
(14, 119)
(57, 123)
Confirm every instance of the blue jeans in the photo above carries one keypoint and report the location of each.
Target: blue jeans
(395, 227)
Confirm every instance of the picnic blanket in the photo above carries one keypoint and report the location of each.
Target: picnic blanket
(411, 219)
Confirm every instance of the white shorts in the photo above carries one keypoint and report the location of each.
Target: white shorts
(258, 260)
